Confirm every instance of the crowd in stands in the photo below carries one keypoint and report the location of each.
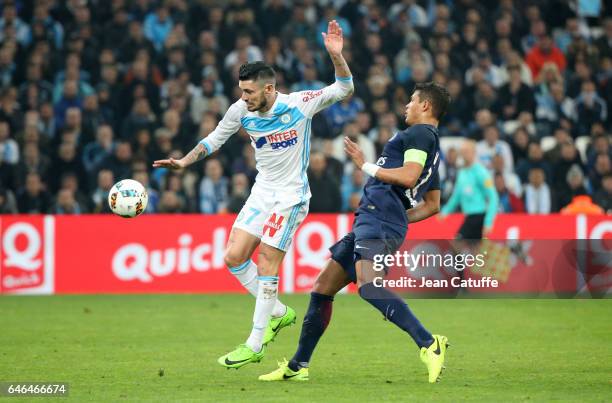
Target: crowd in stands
(92, 91)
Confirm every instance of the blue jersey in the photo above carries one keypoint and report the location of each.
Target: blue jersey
(390, 202)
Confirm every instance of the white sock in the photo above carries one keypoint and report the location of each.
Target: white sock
(266, 297)
(246, 273)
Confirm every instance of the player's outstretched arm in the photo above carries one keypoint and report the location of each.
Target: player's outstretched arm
(425, 209)
(405, 176)
(224, 130)
(198, 152)
(334, 41)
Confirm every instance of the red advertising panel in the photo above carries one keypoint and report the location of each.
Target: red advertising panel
(149, 254)
(26, 254)
(184, 253)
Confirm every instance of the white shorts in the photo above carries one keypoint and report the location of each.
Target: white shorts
(271, 217)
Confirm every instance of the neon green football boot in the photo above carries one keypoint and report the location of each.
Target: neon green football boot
(241, 356)
(433, 357)
(276, 324)
(284, 373)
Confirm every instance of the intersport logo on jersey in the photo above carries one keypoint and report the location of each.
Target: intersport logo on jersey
(278, 141)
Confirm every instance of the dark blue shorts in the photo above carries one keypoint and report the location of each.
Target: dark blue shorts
(369, 237)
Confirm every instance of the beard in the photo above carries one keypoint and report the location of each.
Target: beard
(260, 105)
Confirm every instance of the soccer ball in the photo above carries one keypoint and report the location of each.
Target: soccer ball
(128, 198)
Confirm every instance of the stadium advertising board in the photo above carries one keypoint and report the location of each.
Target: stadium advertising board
(184, 254)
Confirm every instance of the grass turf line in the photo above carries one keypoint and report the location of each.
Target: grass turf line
(112, 348)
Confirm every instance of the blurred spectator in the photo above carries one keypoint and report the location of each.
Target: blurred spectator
(335, 167)
(153, 203)
(99, 197)
(94, 153)
(297, 26)
(483, 119)
(569, 158)
(514, 97)
(491, 145)
(170, 202)
(65, 203)
(448, 169)
(33, 162)
(343, 112)
(544, 52)
(70, 181)
(309, 80)
(35, 82)
(10, 21)
(134, 41)
(174, 184)
(600, 144)
(246, 163)
(330, 12)
(203, 99)
(354, 201)
(603, 197)
(141, 117)
(484, 69)
(519, 144)
(9, 150)
(511, 180)
(239, 194)
(554, 105)
(8, 204)
(65, 162)
(351, 131)
(244, 51)
(562, 137)
(509, 202)
(119, 163)
(459, 112)
(213, 189)
(535, 159)
(575, 187)
(537, 193)
(405, 59)
(604, 42)
(590, 108)
(157, 26)
(326, 196)
(33, 198)
(602, 168)
(274, 14)
(351, 184)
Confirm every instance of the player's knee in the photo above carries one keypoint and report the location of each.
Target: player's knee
(233, 259)
(321, 286)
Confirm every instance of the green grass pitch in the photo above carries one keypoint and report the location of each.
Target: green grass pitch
(115, 348)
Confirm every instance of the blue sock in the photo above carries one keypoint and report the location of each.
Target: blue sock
(396, 310)
(315, 322)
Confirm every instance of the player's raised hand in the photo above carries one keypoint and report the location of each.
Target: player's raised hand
(354, 151)
(333, 39)
(169, 163)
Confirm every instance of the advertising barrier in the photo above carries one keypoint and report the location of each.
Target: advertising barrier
(184, 254)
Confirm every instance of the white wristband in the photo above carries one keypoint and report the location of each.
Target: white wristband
(370, 169)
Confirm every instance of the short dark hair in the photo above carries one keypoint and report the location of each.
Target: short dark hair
(256, 71)
(437, 95)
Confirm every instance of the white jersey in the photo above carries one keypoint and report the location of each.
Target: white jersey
(280, 136)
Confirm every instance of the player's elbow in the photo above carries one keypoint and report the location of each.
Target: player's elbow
(348, 92)
(409, 182)
(347, 88)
